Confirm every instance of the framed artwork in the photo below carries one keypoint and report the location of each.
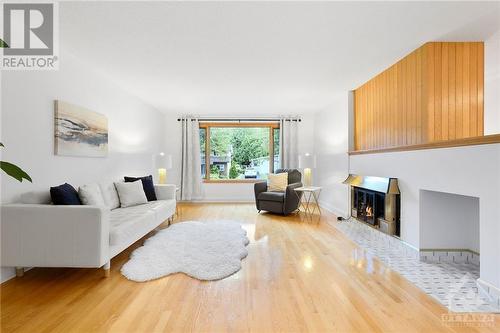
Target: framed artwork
(79, 132)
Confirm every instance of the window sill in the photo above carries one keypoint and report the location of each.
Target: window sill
(232, 181)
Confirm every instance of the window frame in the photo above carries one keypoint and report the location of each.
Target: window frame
(208, 125)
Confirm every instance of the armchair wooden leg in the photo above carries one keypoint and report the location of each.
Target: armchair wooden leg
(106, 268)
(19, 271)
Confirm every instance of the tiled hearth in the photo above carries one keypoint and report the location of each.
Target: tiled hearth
(449, 277)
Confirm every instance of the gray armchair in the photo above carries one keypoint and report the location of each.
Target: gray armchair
(279, 202)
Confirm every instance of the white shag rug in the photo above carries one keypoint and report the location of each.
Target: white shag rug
(202, 250)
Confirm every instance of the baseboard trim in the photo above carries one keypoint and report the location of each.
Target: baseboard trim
(335, 211)
(13, 274)
(245, 201)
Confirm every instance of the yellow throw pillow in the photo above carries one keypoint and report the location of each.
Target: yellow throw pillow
(277, 181)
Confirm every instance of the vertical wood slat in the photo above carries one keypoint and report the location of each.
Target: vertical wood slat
(399, 106)
(418, 87)
(437, 93)
(473, 90)
(444, 92)
(429, 82)
(423, 97)
(480, 89)
(459, 90)
(451, 90)
(466, 92)
(433, 94)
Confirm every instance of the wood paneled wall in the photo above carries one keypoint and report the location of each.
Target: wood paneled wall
(433, 94)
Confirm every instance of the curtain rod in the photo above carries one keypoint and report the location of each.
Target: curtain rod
(239, 120)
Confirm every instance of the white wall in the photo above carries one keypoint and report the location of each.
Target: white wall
(27, 124)
(492, 85)
(330, 147)
(232, 191)
(448, 221)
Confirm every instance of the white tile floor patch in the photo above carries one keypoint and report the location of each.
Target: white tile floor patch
(452, 284)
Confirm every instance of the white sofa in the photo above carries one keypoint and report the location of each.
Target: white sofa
(46, 235)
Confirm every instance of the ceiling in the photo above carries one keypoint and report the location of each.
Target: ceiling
(257, 58)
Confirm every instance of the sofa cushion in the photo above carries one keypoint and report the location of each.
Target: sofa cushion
(147, 185)
(163, 209)
(134, 222)
(110, 195)
(64, 194)
(272, 196)
(130, 224)
(91, 194)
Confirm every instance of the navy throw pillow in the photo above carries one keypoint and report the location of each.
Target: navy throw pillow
(64, 194)
(147, 185)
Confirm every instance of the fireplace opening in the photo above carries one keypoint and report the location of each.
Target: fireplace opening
(368, 205)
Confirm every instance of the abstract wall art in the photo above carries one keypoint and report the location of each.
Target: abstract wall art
(79, 132)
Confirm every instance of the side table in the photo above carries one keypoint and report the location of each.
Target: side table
(311, 195)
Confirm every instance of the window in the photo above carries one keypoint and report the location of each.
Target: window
(238, 152)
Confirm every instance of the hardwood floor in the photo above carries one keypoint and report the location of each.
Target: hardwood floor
(300, 275)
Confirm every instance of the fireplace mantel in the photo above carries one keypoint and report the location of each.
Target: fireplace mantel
(378, 184)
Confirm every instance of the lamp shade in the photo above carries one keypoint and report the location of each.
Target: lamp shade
(163, 161)
(307, 161)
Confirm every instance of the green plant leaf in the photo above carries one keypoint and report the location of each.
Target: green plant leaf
(3, 44)
(14, 171)
(1, 145)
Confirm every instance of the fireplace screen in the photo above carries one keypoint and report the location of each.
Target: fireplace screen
(376, 201)
(369, 205)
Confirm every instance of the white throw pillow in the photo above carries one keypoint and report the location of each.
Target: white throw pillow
(91, 194)
(277, 181)
(131, 194)
(110, 195)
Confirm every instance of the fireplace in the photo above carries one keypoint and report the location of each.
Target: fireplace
(376, 201)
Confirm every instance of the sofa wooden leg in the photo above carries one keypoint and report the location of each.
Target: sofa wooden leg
(107, 268)
(19, 271)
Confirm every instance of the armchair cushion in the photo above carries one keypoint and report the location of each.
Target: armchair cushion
(277, 181)
(294, 175)
(272, 196)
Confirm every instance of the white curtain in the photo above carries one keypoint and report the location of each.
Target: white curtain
(191, 160)
(289, 131)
